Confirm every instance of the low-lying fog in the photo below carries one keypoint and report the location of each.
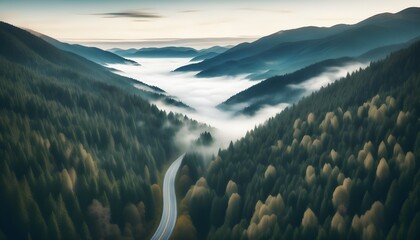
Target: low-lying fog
(333, 73)
(203, 94)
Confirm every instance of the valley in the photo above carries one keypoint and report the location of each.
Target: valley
(310, 132)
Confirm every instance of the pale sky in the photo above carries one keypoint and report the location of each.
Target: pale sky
(225, 21)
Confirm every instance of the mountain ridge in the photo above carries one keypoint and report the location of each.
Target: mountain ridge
(342, 163)
(24, 48)
(278, 89)
(255, 60)
(80, 146)
(91, 53)
(171, 52)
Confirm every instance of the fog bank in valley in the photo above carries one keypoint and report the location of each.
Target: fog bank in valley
(204, 94)
(329, 76)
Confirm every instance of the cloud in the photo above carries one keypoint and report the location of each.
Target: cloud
(204, 94)
(329, 76)
(189, 11)
(138, 14)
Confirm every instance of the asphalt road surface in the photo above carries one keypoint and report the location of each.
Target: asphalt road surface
(169, 213)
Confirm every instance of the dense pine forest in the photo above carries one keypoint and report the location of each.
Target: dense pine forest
(83, 154)
(343, 163)
(80, 157)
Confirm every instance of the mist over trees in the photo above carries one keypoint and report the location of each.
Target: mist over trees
(80, 157)
(341, 164)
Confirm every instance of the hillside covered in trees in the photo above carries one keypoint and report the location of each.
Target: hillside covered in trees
(81, 153)
(343, 163)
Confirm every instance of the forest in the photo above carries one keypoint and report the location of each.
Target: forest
(82, 156)
(343, 163)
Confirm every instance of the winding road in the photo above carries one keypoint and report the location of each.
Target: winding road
(169, 213)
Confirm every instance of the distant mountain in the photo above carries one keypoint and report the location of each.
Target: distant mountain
(171, 52)
(23, 48)
(280, 89)
(209, 53)
(246, 49)
(204, 56)
(290, 50)
(343, 163)
(165, 52)
(371, 55)
(123, 52)
(216, 49)
(382, 52)
(91, 53)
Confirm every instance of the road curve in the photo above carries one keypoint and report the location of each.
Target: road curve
(169, 213)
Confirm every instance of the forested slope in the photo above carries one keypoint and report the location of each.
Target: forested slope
(287, 88)
(23, 48)
(80, 156)
(278, 89)
(342, 163)
(91, 53)
(291, 50)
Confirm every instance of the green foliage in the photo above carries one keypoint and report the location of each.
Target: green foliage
(343, 162)
(78, 153)
(205, 139)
